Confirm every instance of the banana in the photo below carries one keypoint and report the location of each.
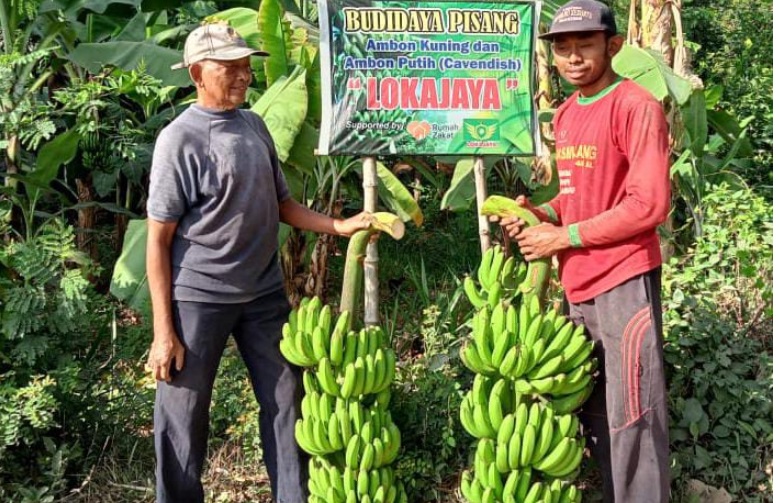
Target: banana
(558, 342)
(381, 372)
(536, 351)
(337, 347)
(313, 312)
(515, 447)
(534, 306)
(501, 344)
(523, 484)
(483, 272)
(476, 489)
(351, 348)
(352, 452)
(303, 346)
(319, 343)
(572, 385)
(545, 385)
(510, 362)
(395, 441)
(495, 294)
(376, 337)
(545, 434)
(534, 331)
(556, 457)
(505, 430)
(301, 439)
(334, 435)
(471, 359)
(360, 368)
(507, 276)
(571, 462)
(497, 320)
(483, 336)
(362, 348)
(371, 374)
(568, 403)
(549, 368)
(564, 424)
(528, 445)
(523, 322)
(473, 293)
(349, 382)
(390, 370)
(467, 419)
(293, 321)
(482, 422)
(521, 418)
(362, 484)
(495, 482)
(290, 353)
(379, 452)
(346, 431)
(496, 265)
(579, 358)
(368, 457)
(510, 486)
(325, 410)
(325, 375)
(502, 459)
(534, 493)
(510, 321)
(495, 407)
(466, 482)
(301, 315)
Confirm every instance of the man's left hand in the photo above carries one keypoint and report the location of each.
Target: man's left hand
(350, 226)
(541, 241)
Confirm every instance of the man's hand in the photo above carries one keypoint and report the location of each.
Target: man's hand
(350, 226)
(544, 240)
(164, 350)
(513, 225)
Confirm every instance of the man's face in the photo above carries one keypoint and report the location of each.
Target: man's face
(222, 84)
(584, 57)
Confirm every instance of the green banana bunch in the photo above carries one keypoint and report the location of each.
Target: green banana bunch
(329, 483)
(308, 336)
(498, 279)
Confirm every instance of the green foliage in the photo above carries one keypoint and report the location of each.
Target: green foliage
(425, 407)
(718, 327)
(47, 304)
(735, 49)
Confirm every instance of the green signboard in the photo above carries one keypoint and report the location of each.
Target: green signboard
(427, 77)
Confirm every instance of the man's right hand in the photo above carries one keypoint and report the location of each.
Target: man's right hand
(163, 351)
(514, 225)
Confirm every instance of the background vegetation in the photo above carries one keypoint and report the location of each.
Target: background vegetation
(80, 111)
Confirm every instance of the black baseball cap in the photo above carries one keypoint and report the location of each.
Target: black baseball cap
(581, 15)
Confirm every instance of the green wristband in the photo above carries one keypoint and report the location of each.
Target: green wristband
(550, 212)
(574, 238)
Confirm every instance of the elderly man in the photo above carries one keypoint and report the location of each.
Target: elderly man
(612, 157)
(216, 198)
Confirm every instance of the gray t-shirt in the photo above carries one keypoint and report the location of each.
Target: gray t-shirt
(216, 173)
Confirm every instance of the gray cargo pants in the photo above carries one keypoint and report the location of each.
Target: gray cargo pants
(181, 412)
(626, 417)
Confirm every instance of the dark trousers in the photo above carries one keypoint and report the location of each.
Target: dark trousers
(181, 412)
(626, 417)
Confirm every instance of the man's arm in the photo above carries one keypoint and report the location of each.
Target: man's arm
(647, 184)
(302, 217)
(647, 199)
(166, 345)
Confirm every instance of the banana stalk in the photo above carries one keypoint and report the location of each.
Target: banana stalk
(354, 270)
(538, 270)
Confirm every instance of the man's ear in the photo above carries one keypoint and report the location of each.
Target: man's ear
(195, 72)
(615, 44)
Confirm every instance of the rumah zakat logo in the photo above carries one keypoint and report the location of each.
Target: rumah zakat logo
(419, 129)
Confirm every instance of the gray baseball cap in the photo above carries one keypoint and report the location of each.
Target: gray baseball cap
(217, 41)
(581, 15)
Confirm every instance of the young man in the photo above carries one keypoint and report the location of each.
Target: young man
(216, 198)
(612, 156)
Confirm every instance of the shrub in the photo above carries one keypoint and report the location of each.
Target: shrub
(719, 350)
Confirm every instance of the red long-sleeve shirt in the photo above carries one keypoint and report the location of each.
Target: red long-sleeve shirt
(612, 155)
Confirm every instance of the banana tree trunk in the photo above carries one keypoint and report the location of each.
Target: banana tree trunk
(85, 236)
(480, 184)
(371, 291)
